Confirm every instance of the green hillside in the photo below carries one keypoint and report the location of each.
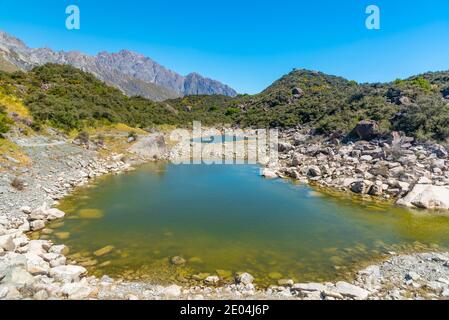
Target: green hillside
(68, 98)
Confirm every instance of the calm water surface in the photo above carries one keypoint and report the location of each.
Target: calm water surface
(227, 219)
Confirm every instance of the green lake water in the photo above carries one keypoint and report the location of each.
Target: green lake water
(225, 219)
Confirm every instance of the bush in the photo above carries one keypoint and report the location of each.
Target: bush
(5, 121)
(132, 135)
(18, 184)
(83, 137)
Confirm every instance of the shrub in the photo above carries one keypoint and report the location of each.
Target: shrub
(18, 184)
(5, 121)
(132, 135)
(83, 137)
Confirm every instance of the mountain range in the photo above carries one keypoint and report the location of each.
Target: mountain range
(132, 73)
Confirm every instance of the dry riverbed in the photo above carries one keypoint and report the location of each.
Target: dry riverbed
(37, 269)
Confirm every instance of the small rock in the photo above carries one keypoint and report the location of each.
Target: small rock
(352, 291)
(104, 251)
(76, 291)
(285, 282)
(37, 225)
(173, 291)
(41, 295)
(7, 243)
(244, 278)
(412, 276)
(212, 280)
(178, 261)
(68, 273)
(309, 287)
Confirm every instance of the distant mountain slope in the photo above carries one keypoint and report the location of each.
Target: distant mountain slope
(133, 73)
(5, 65)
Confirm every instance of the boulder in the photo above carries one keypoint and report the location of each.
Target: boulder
(19, 276)
(268, 173)
(68, 273)
(297, 159)
(297, 92)
(36, 265)
(439, 151)
(7, 243)
(309, 287)
(299, 139)
(284, 147)
(427, 196)
(314, 171)
(361, 186)
(76, 291)
(37, 225)
(54, 214)
(365, 130)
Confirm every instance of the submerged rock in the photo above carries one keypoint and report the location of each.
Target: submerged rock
(178, 261)
(104, 251)
(91, 214)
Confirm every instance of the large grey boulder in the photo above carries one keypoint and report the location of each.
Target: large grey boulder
(427, 196)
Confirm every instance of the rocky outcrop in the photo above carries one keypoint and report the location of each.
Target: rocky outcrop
(365, 130)
(391, 167)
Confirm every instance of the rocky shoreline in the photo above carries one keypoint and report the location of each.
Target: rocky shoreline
(38, 269)
(393, 167)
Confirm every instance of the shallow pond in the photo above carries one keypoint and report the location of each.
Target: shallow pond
(225, 219)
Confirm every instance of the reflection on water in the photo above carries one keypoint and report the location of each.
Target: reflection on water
(225, 219)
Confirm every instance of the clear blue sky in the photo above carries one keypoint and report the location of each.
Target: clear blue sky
(248, 44)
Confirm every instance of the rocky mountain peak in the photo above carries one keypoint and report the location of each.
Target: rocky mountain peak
(129, 71)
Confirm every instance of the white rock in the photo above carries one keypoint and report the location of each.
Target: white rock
(212, 280)
(7, 243)
(309, 287)
(41, 295)
(3, 291)
(351, 291)
(37, 225)
(244, 278)
(76, 291)
(25, 209)
(36, 265)
(268, 173)
(53, 214)
(427, 197)
(20, 276)
(38, 247)
(68, 273)
(173, 291)
(424, 180)
(59, 249)
(25, 226)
